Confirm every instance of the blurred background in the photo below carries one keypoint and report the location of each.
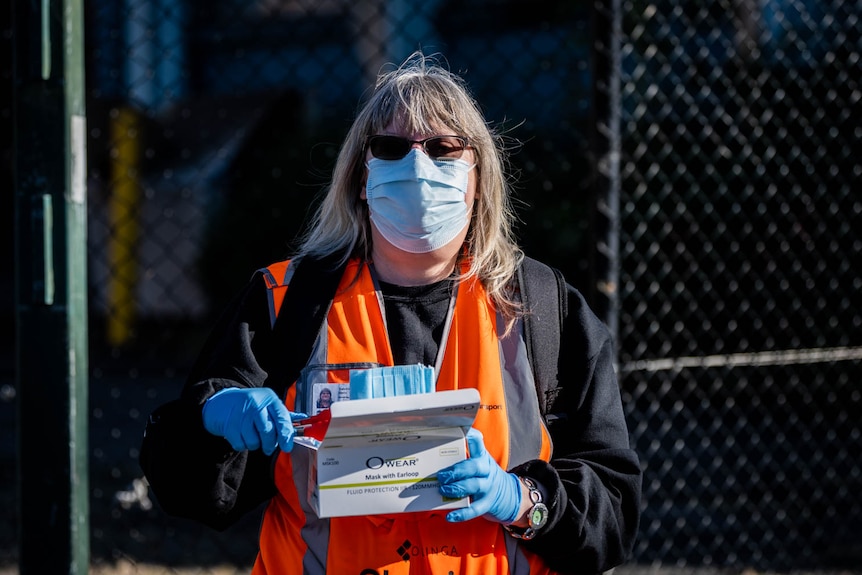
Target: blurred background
(692, 166)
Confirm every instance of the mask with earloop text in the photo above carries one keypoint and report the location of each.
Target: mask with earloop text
(416, 203)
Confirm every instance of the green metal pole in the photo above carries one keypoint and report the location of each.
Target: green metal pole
(606, 142)
(50, 271)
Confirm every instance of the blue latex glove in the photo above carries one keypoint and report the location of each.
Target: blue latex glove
(250, 418)
(495, 492)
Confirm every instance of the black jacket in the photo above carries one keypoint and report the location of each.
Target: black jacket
(593, 480)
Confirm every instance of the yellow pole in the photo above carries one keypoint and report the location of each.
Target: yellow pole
(123, 212)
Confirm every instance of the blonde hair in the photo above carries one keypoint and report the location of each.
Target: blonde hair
(422, 95)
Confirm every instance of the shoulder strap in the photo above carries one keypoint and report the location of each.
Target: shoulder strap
(306, 303)
(543, 292)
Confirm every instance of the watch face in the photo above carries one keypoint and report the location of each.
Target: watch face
(538, 515)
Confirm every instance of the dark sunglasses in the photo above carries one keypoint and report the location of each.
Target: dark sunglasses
(385, 147)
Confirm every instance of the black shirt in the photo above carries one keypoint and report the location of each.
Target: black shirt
(415, 319)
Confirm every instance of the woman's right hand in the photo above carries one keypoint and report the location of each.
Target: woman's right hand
(251, 418)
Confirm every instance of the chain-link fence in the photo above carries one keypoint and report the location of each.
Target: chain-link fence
(741, 279)
(213, 125)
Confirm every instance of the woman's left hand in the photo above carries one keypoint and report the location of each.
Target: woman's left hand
(495, 493)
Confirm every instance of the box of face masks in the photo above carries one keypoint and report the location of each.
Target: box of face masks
(382, 455)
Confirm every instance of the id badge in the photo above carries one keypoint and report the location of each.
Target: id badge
(321, 385)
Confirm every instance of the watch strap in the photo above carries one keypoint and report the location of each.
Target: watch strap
(537, 515)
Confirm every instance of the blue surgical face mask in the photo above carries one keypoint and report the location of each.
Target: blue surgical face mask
(416, 203)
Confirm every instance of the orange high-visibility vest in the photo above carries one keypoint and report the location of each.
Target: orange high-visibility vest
(294, 540)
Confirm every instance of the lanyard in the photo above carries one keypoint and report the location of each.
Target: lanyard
(447, 324)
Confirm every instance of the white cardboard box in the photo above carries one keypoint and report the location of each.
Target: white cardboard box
(382, 455)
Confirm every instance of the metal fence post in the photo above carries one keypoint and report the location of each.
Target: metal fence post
(607, 30)
(51, 295)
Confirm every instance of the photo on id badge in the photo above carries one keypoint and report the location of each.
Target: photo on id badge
(325, 394)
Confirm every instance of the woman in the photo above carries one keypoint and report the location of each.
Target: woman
(418, 214)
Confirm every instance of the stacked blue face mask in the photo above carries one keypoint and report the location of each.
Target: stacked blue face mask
(389, 381)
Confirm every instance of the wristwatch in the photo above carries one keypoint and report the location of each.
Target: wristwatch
(537, 516)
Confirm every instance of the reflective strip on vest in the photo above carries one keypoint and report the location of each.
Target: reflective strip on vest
(294, 540)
